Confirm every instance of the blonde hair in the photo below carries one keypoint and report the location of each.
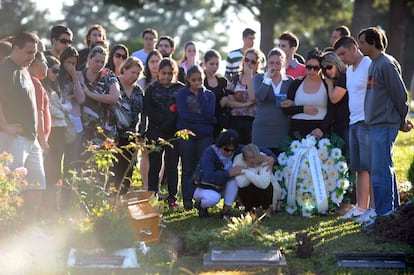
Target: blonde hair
(250, 150)
(130, 62)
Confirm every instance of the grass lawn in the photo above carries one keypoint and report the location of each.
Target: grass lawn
(185, 231)
(185, 237)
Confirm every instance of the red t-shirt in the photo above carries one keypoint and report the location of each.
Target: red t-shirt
(42, 103)
(296, 70)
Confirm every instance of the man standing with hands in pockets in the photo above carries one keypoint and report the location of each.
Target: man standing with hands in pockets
(386, 109)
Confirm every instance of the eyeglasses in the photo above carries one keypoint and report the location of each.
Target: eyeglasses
(328, 67)
(311, 67)
(228, 150)
(55, 70)
(120, 55)
(65, 41)
(251, 61)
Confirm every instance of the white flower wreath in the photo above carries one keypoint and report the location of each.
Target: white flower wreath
(313, 175)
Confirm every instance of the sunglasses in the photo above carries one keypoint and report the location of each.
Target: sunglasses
(311, 67)
(65, 41)
(120, 55)
(55, 70)
(228, 150)
(328, 67)
(251, 61)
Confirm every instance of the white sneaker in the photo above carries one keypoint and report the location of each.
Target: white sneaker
(368, 216)
(353, 213)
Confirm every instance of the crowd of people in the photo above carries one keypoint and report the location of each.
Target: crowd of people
(241, 122)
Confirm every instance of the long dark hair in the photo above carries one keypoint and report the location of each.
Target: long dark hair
(67, 53)
(49, 85)
(147, 72)
(110, 65)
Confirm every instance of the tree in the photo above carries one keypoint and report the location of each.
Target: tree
(180, 19)
(16, 16)
(84, 13)
(393, 17)
(301, 17)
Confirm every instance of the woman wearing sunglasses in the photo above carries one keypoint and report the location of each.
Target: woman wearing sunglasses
(334, 71)
(59, 108)
(213, 173)
(307, 101)
(243, 101)
(119, 53)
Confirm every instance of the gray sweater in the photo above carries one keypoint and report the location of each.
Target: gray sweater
(386, 103)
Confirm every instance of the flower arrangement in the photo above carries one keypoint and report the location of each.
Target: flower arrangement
(313, 175)
(12, 182)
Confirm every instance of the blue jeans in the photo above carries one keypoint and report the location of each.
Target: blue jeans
(190, 151)
(359, 147)
(26, 153)
(384, 181)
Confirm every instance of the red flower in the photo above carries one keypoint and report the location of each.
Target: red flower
(173, 108)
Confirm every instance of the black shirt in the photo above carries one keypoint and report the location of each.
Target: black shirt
(18, 97)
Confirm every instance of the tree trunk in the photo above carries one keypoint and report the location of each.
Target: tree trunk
(362, 16)
(267, 21)
(397, 25)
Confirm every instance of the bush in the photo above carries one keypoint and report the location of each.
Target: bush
(12, 182)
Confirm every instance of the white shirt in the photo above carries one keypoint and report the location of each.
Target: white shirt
(356, 85)
(318, 99)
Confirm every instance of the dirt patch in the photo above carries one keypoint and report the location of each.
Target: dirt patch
(398, 226)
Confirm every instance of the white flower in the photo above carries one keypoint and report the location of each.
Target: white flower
(309, 182)
(307, 211)
(329, 163)
(341, 166)
(304, 188)
(291, 209)
(336, 153)
(282, 159)
(278, 175)
(343, 184)
(337, 197)
(330, 184)
(295, 146)
(332, 173)
(304, 172)
(324, 143)
(301, 199)
(323, 153)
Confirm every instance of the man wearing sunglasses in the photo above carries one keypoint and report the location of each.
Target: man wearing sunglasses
(60, 38)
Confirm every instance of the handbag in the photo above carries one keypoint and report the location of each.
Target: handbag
(122, 118)
(70, 131)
